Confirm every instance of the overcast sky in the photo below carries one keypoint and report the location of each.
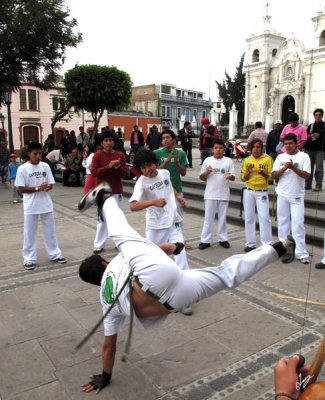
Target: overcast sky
(185, 42)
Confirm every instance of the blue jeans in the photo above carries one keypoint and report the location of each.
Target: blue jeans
(316, 159)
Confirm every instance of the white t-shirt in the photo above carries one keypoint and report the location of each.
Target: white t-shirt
(115, 275)
(290, 184)
(217, 187)
(159, 187)
(32, 175)
(54, 156)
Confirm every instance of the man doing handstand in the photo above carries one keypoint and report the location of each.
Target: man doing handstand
(159, 286)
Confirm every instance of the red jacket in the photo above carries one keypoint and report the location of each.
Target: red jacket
(99, 169)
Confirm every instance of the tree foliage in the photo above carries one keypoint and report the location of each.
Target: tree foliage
(97, 88)
(34, 35)
(232, 91)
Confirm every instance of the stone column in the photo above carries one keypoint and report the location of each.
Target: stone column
(269, 120)
(233, 118)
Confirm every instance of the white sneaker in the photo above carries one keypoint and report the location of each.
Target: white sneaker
(187, 311)
(304, 260)
(98, 250)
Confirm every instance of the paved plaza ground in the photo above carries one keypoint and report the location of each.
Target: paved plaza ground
(225, 350)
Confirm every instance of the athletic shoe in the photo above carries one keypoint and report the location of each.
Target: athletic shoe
(225, 244)
(95, 196)
(29, 265)
(290, 245)
(203, 246)
(304, 260)
(187, 311)
(60, 260)
(320, 265)
(247, 249)
(317, 188)
(307, 187)
(98, 250)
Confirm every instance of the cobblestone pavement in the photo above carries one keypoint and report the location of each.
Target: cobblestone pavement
(225, 350)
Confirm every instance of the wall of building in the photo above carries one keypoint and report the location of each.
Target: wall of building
(126, 123)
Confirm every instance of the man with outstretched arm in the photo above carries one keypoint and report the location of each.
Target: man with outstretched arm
(158, 287)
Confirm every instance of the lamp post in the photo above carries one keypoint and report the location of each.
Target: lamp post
(2, 120)
(7, 98)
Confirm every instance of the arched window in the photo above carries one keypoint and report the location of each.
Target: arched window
(256, 56)
(274, 51)
(322, 39)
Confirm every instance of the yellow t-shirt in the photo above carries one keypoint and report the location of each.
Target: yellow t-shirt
(257, 181)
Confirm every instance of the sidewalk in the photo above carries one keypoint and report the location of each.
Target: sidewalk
(225, 350)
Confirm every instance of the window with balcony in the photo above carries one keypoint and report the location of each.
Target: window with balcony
(200, 96)
(178, 92)
(163, 111)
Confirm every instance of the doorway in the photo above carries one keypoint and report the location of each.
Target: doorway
(288, 107)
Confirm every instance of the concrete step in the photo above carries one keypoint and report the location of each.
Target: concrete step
(194, 192)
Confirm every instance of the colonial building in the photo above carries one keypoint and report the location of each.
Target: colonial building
(32, 110)
(282, 76)
(171, 103)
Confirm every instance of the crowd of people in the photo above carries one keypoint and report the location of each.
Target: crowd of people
(292, 157)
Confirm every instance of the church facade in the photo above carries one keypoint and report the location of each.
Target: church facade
(282, 76)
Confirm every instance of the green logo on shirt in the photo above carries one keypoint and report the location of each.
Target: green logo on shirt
(108, 293)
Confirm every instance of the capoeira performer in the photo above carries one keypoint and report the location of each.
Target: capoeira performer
(154, 192)
(157, 285)
(256, 172)
(216, 171)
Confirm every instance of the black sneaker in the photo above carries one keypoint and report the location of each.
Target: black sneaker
(29, 265)
(290, 245)
(247, 249)
(320, 265)
(225, 244)
(95, 196)
(60, 260)
(203, 246)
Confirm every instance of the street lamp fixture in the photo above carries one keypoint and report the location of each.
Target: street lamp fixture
(8, 100)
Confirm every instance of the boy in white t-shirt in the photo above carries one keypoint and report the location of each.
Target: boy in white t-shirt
(34, 180)
(292, 168)
(154, 192)
(217, 171)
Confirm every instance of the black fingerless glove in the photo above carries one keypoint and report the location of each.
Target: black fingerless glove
(179, 248)
(101, 380)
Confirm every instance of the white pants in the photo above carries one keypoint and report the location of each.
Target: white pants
(160, 274)
(291, 214)
(101, 231)
(260, 200)
(211, 208)
(49, 235)
(173, 234)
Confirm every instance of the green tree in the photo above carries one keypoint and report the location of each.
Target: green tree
(232, 91)
(97, 88)
(34, 35)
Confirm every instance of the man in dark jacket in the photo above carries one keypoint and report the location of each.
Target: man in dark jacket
(315, 147)
(273, 139)
(185, 135)
(154, 138)
(137, 140)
